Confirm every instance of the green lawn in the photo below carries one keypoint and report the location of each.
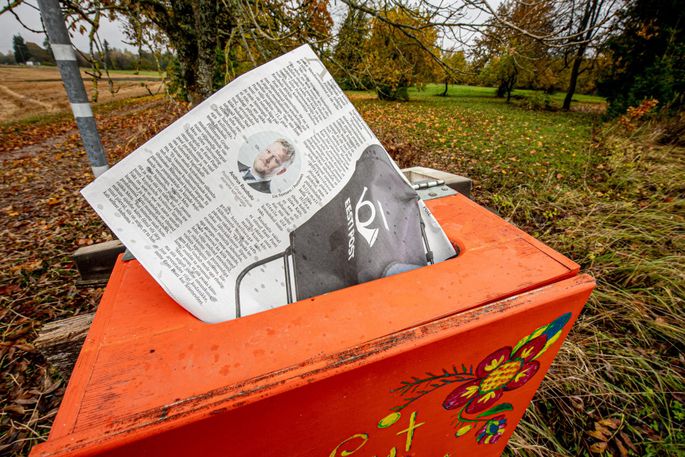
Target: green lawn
(151, 73)
(472, 131)
(488, 92)
(610, 199)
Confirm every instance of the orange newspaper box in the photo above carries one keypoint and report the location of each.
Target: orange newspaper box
(438, 361)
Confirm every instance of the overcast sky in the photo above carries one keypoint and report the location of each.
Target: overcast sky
(9, 26)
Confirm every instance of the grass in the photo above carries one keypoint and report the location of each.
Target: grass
(473, 131)
(47, 67)
(37, 119)
(151, 73)
(611, 200)
(462, 91)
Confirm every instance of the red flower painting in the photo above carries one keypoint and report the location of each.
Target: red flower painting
(476, 399)
(500, 371)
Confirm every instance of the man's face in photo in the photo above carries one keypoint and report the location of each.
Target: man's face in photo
(271, 161)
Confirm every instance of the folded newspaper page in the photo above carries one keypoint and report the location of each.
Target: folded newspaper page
(272, 190)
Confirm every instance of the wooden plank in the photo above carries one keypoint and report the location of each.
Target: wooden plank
(95, 262)
(60, 341)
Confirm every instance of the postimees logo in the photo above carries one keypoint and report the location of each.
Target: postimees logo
(365, 221)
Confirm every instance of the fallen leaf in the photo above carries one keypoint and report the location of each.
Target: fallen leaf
(623, 452)
(602, 429)
(611, 423)
(25, 347)
(596, 434)
(598, 448)
(28, 266)
(9, 289)
(17, 409)
(626, 439)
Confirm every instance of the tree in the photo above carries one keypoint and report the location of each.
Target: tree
(348, 55)
(395, 59)
(457, 22)
(507, 52)
(589, 21)
(454, 69)
(209, 38)
(648, 56)
(21, 52)
(108, 55)
(501, 71)
(229, 36)
(7, 59)
(46, 45)
(39, 54)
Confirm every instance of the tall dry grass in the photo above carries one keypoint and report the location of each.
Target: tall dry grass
(618, 384)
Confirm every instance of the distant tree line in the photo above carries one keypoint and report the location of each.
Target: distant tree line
(398, 47)
(627, 50)
(115, 59)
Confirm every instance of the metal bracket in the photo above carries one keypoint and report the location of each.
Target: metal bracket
(432, 182)
(429, 190)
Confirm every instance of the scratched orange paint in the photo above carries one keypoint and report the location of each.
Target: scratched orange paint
(439, 361)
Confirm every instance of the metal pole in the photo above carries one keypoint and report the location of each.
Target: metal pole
(71, 77)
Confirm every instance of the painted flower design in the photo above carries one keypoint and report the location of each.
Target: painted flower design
(502, 370)
(492, 431)
(476, 399)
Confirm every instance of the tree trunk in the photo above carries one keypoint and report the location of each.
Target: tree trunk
(205, 33)
(501, 89)
(510, 83)
(195, 29)
(587, 22)
(444, 92)
(575, 70)
(187, 59)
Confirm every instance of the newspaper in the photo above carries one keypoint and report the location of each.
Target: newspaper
(272, 190)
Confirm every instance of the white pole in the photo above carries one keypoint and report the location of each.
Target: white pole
(71, 77)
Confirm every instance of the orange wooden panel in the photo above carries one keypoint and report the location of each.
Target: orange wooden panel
(148, 367)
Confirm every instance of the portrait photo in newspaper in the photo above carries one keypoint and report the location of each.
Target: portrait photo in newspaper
(268, 162)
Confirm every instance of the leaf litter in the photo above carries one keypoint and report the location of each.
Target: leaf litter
(43, 220)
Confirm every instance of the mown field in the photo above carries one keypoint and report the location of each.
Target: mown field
(33, 91)
(609, 198)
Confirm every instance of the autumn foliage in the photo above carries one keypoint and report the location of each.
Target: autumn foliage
(398, 56)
